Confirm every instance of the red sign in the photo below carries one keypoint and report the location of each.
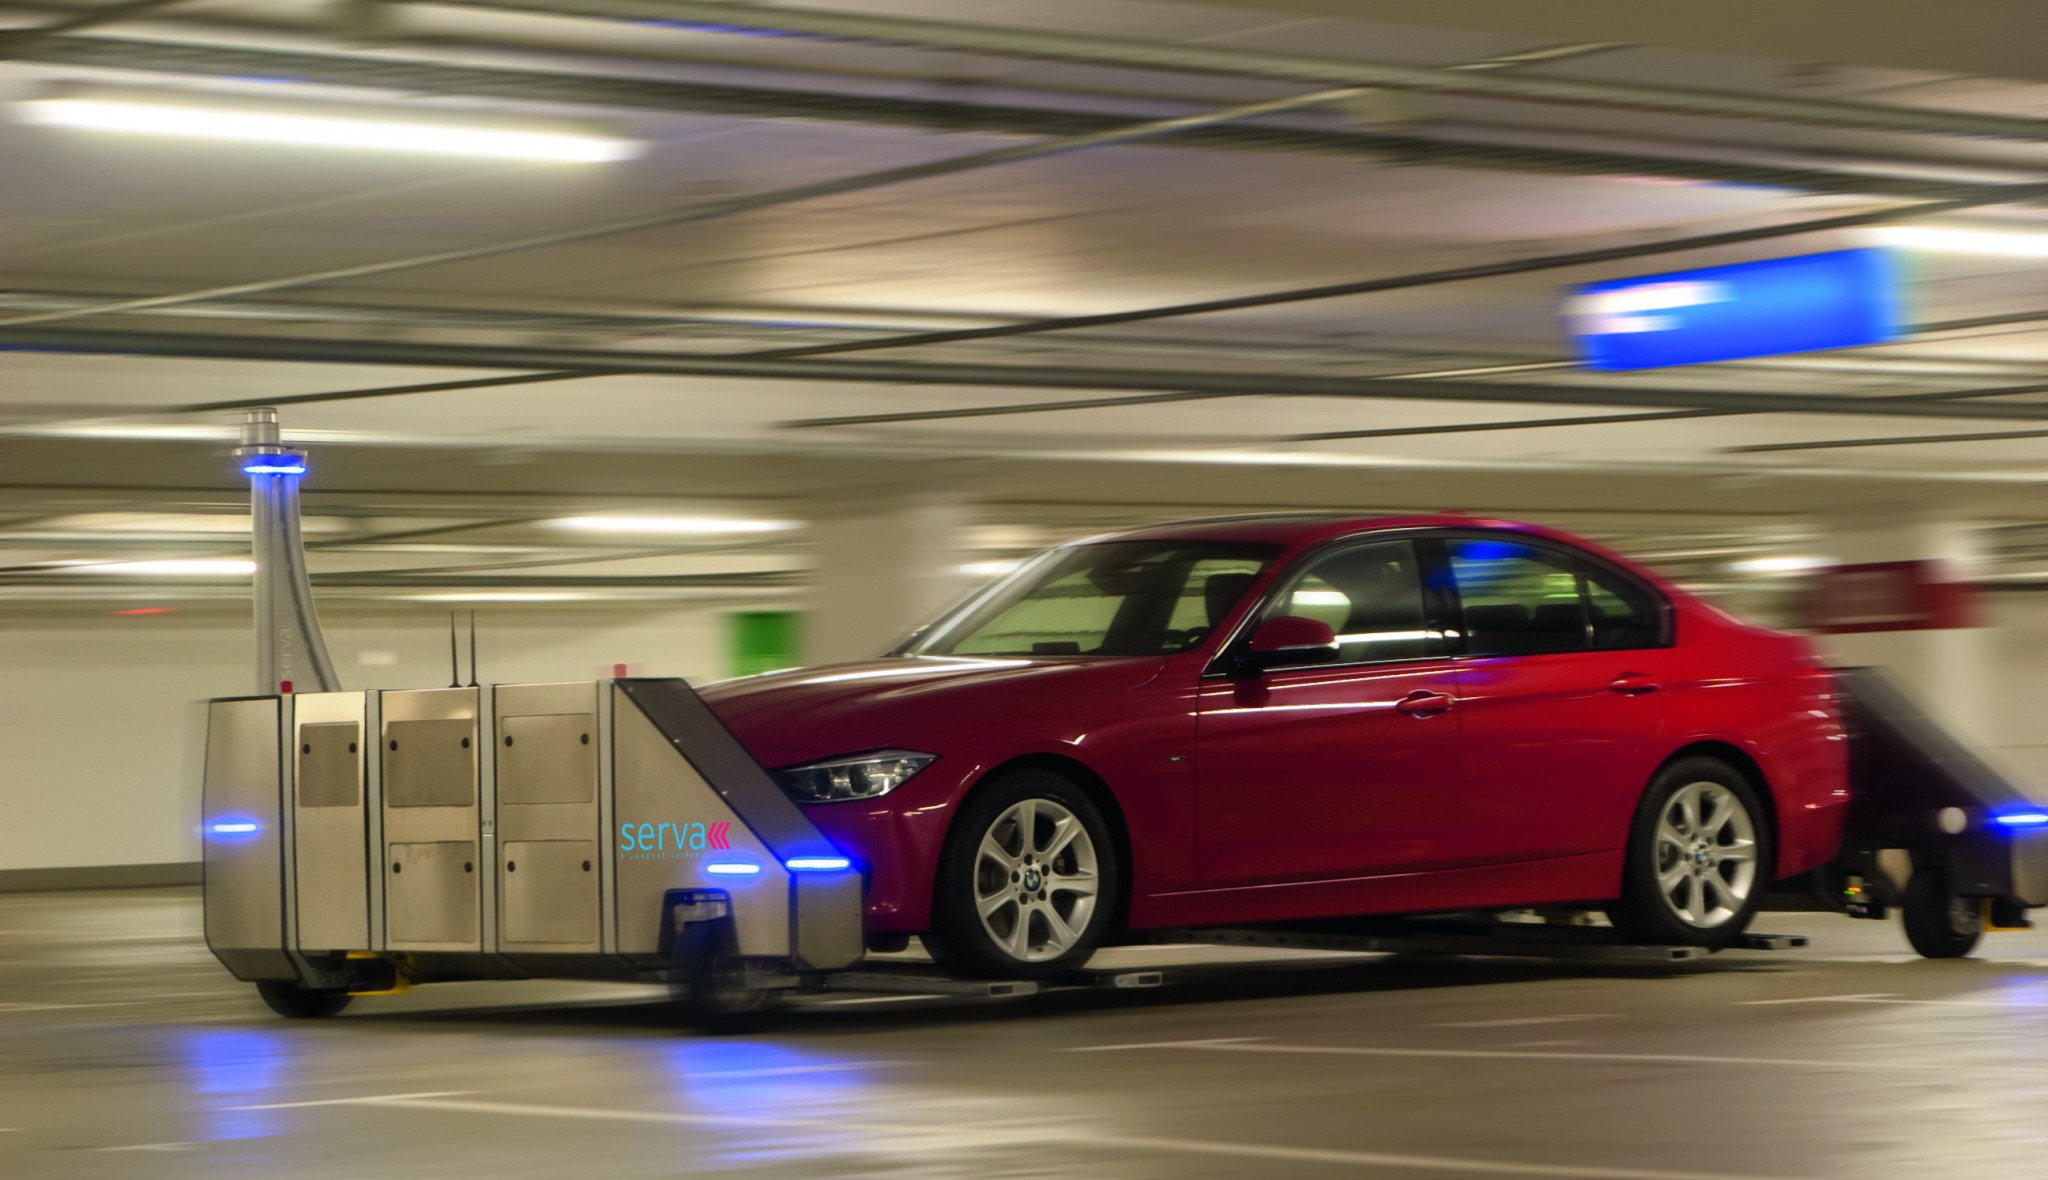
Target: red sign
(1886, 596)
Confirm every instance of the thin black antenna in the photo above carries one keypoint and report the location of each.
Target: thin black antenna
(472, 649)
(454, 664)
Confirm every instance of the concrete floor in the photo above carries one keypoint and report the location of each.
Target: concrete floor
(125, 1051)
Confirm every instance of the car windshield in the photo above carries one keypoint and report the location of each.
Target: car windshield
(1116, 598)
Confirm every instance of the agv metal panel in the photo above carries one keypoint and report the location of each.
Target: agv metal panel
(549, 868)
(433, 822)
(329, 821)
(661, 805)
(242, 821)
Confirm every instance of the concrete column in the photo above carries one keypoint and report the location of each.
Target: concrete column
(1948, 671)
(886, 563)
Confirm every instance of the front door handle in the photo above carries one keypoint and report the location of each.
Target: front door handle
(1424, 704)
(1634, 684)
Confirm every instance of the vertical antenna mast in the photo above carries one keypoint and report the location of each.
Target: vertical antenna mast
(291, 653)
(472, 649)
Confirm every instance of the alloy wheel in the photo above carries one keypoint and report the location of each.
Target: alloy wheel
(1035, 880)
(1706, 856)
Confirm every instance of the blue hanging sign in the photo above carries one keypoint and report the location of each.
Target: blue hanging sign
(1723, 313)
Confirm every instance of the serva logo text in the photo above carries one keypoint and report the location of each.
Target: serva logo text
(671, 841)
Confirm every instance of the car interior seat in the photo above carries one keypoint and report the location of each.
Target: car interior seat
(1223, 591)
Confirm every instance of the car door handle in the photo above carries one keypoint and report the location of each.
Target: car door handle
(1424, 704)
(1634, 684)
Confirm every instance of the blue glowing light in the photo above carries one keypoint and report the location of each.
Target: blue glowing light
(274, 465)
(817, 864)
(233, 828)
(2023, 819)
(1775, 306)
(234, 1069)
(732, 868)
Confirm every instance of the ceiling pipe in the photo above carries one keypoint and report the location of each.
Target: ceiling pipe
(952, 116)
(386, 352)
(1901, 441)
(1102, 50)
(1617, 419)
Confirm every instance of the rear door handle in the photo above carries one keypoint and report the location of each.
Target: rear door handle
(1424, 704)
(1634, 683)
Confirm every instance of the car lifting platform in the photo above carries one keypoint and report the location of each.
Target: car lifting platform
(1521, 940)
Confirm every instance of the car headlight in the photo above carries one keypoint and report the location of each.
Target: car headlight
(855, 776)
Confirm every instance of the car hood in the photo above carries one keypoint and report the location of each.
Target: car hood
(807, 713)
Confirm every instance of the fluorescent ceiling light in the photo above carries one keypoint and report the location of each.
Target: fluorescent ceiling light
(241, 566)
(1780, 565)
(1949, 240)
(325, 125)
(686, 526)
(153, 433)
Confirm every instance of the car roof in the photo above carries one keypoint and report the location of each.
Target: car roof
(1293, 529)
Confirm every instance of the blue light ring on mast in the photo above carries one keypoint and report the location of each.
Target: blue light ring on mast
(273, 463)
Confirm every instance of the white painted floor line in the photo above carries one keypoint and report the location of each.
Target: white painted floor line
(1516, 1021)
(30, 1007)
(1815, 999)
(971, 1136)
(1246, 1045)
(1895, 998)
(1201, 1044)
(367, 1100)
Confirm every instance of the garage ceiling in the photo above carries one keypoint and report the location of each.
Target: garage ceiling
(98, 407)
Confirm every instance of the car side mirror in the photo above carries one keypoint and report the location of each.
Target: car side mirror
(1288, 640)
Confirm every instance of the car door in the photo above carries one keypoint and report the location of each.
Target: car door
(1341, 769)
(1559, 694)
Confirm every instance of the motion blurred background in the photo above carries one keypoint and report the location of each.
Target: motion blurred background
(708, 338)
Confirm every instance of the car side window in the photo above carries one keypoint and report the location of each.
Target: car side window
(1623, 614)
(1518, 599)
(1370, 595)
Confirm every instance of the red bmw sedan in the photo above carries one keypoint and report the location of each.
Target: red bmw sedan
(1271, 719)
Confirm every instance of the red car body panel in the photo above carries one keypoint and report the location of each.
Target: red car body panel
(1233, 793)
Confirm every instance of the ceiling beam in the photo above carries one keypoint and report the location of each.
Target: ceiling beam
(1194, 57)
(948, 116)
(404, 353)
(18, 43)
(1502, 268)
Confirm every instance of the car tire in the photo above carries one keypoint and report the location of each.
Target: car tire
(1018, 904)
(1939, 924)
(1699, 858)
(288, 999)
